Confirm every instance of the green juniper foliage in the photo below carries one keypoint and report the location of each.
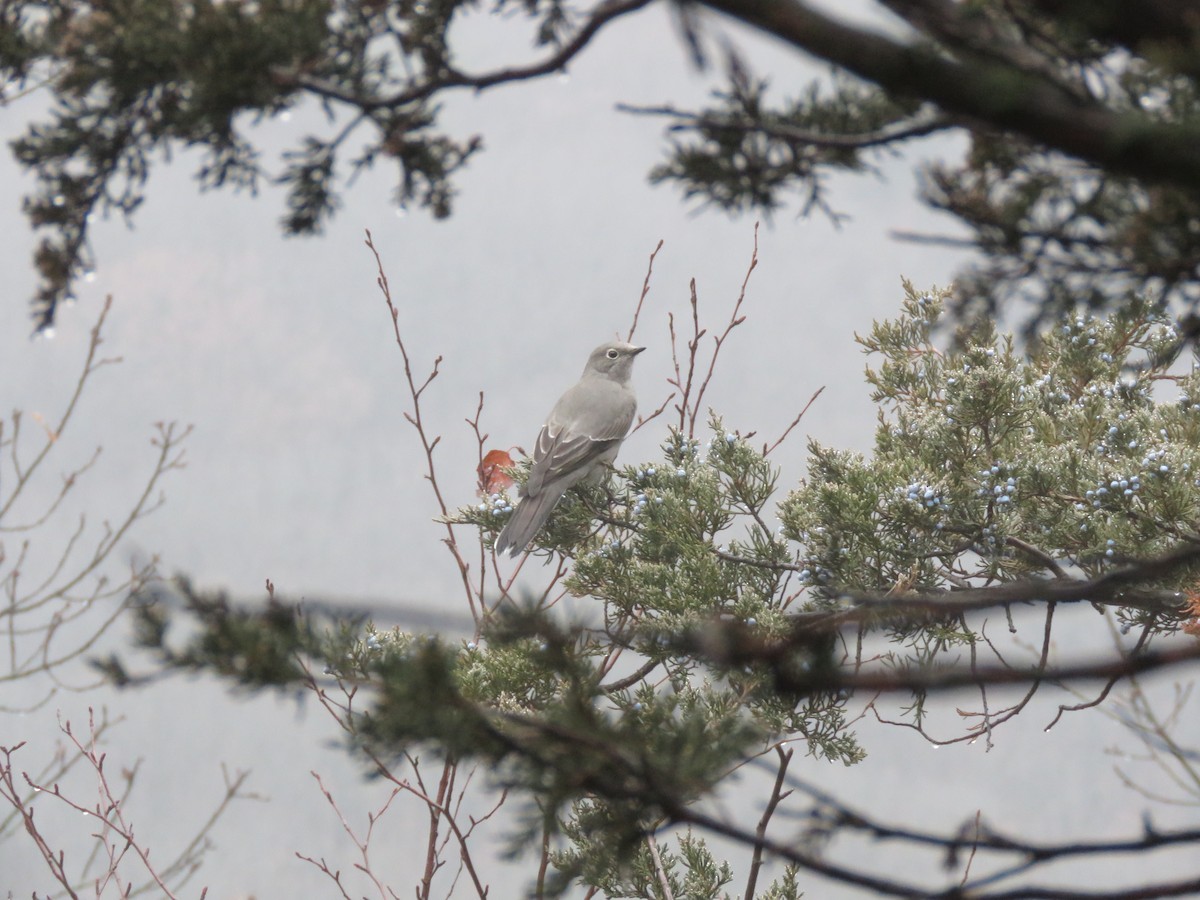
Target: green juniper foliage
(135, 79)
(690, 869)
(741, 154)
(990, 466)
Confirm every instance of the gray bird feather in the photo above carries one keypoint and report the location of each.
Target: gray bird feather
(581, 437)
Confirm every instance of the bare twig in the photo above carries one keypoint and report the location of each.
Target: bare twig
(645, 290)
(363, 844)
(1104, 692)
(115, 835)
(734, 321)
(690, 386)
(796, 421)
(43, 601)
(1040, 555)
(659, 871)
(630, 680)
(428, 444)
(778, 794)
(90, 365)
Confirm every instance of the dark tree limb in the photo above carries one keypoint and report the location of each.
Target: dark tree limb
(990, 93)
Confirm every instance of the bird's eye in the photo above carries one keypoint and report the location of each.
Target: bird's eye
(612, 354)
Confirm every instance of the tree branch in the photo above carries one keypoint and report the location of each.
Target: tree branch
(602, 15)
(1117, 587)
(988, 92)
(894, 133)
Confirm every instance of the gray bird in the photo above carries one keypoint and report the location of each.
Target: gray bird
(580, 438)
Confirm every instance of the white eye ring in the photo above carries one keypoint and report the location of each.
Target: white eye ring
(612, 354)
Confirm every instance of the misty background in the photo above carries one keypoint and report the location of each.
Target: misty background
(301, 468)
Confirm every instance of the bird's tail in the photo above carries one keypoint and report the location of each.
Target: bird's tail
(527, 519)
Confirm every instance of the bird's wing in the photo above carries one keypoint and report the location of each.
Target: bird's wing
(560, 454)
(574, 438)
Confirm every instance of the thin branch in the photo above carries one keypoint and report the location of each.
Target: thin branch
(1117, 587)
(778, 794)
(999, 94)
(622, 683)
(429, 445)
(796, 421)
(1040, 555)
(734, 321)
(897, 888)
(1143, 638)
(643, 420)
(659, 871)
(90, 365)
(645, 290)
(602, 15)
(771, 564)
(956, 679)
(893, 133)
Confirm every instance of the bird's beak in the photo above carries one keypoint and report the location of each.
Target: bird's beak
(636, 350)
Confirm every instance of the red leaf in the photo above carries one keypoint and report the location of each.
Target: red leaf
(492, 477)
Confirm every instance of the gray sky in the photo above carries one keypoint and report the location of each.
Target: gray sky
(303, 470)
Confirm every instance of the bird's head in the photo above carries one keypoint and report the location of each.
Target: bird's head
(612, 360)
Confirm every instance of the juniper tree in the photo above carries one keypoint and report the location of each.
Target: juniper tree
(1079, 185)
(737, 624)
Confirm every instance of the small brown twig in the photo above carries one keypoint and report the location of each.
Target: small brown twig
(637, 312)
(1040, 555)
(115, 834)
(414, 417)
(976, 830)
(643, 420)
(664, 883)
(11, 794)
(439, 808)
(1177, 763)
(448, 77)
(690, 386)
(734, 321)
(796, 421)
(778, 795)
(38, 602)
(363, 844)
(682, 383)
(630, 680)
(645, 290)
(1142, 640)
(90, 365)
(443, 808)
